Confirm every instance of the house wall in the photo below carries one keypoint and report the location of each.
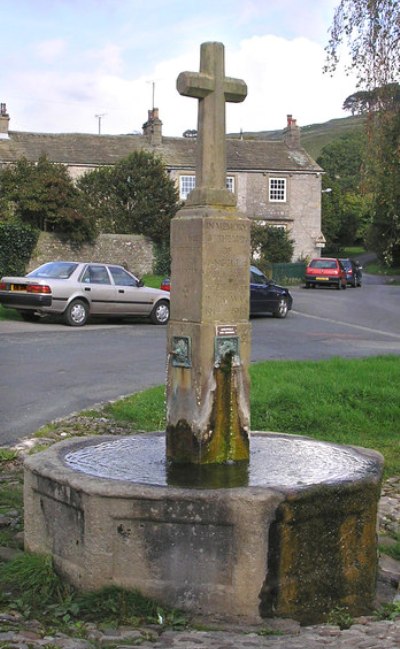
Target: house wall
(135, 252)
(300, 214)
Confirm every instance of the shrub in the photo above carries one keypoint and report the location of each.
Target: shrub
(17, 242)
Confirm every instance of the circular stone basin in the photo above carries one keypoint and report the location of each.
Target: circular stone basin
(294, 538)
(275, 461)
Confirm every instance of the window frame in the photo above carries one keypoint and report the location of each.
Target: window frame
(280, 188)
(184, 179)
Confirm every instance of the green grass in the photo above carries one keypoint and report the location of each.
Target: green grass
(153, 280)
(352, 251)
(347, 401)
(9, 314)
(31, 585)
(377, 269)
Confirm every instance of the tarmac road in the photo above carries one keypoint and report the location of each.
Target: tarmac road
(49, 371)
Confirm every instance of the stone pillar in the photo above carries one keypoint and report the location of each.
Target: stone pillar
(209, 330)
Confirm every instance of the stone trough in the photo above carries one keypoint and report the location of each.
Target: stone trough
(294, 538)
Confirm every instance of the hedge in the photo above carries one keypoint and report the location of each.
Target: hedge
(17, 242)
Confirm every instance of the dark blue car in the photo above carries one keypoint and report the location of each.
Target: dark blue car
(268, 297)
(265, 295)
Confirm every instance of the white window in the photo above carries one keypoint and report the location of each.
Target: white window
(277, 190)
(187, 183)
(230, 183)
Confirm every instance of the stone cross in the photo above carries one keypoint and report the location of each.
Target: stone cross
(213, 89)
(209, 337)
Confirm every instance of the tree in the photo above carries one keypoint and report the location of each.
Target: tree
(270, 245)
(371, 29)
(134, 196)
(384, 173)
(44, 196)
(365, 101)
(345, 208)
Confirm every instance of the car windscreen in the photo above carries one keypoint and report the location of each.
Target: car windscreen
(322, 263)
(54, 270)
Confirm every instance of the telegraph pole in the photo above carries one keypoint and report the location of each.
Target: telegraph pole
(98, 117)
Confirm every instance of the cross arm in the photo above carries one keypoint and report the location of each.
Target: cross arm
(194, 84)
(235, 90)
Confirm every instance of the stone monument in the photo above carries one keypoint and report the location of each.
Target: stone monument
(209, 330)
(200, 519)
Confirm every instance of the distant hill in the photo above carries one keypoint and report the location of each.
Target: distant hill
(313, 137)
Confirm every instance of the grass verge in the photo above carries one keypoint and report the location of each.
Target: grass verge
(347, 401)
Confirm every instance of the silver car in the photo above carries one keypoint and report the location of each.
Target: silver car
(77, 290)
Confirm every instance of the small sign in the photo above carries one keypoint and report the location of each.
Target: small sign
(226, 330)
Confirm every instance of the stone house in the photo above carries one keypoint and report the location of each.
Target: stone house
(276, 182)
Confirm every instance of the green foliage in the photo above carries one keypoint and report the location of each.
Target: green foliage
(365, 101)
(342, 160)
(134, 196)
(345, 210)
(44, 196)
(7, 455)
(384, 174)
(34, 582)
(162, 259)
(270, 245)
(31, 586)
(371, 31)
(17, 241)
(392, 550)
(117, 606)
(340, 617)
(389, 611)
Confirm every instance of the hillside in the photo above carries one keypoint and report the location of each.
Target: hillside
(315, 136)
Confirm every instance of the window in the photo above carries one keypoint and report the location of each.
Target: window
(187, 183)
(95, 275)
(121, 277)
(230, 183)
(277, 189)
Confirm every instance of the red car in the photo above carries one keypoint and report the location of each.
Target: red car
(325, 271)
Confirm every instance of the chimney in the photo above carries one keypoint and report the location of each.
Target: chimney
(291, 134)
(4, 122)
(152, 129)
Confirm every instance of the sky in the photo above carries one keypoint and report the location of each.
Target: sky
(90, 66)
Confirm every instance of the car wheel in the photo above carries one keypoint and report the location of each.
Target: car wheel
(281, 311)
(76, 314)
(160, 313)
(339, 286)
(307, 284)
(29, 316)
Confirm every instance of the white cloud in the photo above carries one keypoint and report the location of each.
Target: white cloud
(283, 76)
(50, 50)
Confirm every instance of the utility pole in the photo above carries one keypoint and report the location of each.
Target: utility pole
(153, 86)
(99, 119)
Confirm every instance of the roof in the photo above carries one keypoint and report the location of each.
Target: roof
(75, 149)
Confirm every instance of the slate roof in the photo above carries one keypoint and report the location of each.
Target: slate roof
(177, 152)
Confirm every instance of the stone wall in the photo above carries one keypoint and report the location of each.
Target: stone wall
(135, 252)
